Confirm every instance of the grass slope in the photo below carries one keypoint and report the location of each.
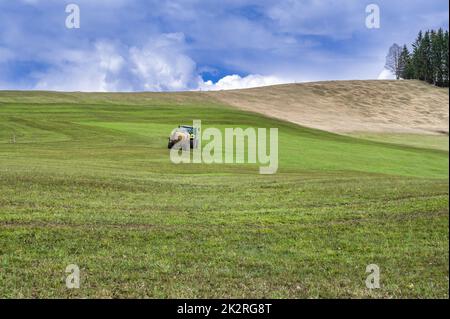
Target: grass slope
(89, 182)
(389, 106)
(439, 142)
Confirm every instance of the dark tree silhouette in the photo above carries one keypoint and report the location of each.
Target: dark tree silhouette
(427, 62)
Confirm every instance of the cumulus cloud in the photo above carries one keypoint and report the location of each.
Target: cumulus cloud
(160, 65)
(232, 82)
(83, 70)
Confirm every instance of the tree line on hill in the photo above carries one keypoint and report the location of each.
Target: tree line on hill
(428, 60)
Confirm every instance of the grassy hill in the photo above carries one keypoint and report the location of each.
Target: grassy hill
(388, 106)
(89, 182)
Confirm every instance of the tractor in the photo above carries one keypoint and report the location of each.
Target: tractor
(184, 132)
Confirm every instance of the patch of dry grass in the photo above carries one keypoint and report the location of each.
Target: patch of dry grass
(350, 106)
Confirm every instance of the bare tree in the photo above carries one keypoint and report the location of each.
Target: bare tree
(394, 61)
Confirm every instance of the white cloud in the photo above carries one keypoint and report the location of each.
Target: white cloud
(386, 75)
(232, 82)
(160, 65)
(84, 71)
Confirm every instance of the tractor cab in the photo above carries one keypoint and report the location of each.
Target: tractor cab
(193, 135)
(190, 129)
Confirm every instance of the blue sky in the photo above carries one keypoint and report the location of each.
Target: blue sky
(132, 45)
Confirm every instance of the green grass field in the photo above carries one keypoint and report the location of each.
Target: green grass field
(89, 182)
(439, 142)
